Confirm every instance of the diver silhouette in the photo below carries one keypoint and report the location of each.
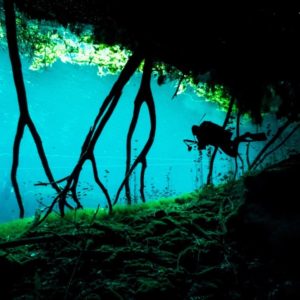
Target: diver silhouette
(209, 133)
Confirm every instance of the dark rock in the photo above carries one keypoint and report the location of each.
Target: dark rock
(160, 214)
(269, 221)
(276, 188)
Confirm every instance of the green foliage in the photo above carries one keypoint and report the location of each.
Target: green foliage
(215, 93)
(209, 196)
(43, 43)
(14, 229)
(60, 44)
(17, 228)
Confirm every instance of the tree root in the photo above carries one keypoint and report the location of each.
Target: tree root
(24, 118)
(144, 96)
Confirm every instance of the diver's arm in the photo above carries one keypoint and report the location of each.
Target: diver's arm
(189, 141)
(201, 145)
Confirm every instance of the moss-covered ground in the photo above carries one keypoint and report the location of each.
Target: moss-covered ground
(171, 249)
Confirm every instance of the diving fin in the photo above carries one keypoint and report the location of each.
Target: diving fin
(258, 136)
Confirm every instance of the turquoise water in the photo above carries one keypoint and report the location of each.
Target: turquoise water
(63, 102)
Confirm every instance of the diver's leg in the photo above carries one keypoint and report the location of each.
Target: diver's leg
(242, 138)
(251, 137)
(261, 136)
(230, 148)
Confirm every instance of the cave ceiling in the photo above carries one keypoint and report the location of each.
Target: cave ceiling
(239, 46)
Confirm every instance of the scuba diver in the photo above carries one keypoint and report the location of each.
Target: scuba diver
(209, 133)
